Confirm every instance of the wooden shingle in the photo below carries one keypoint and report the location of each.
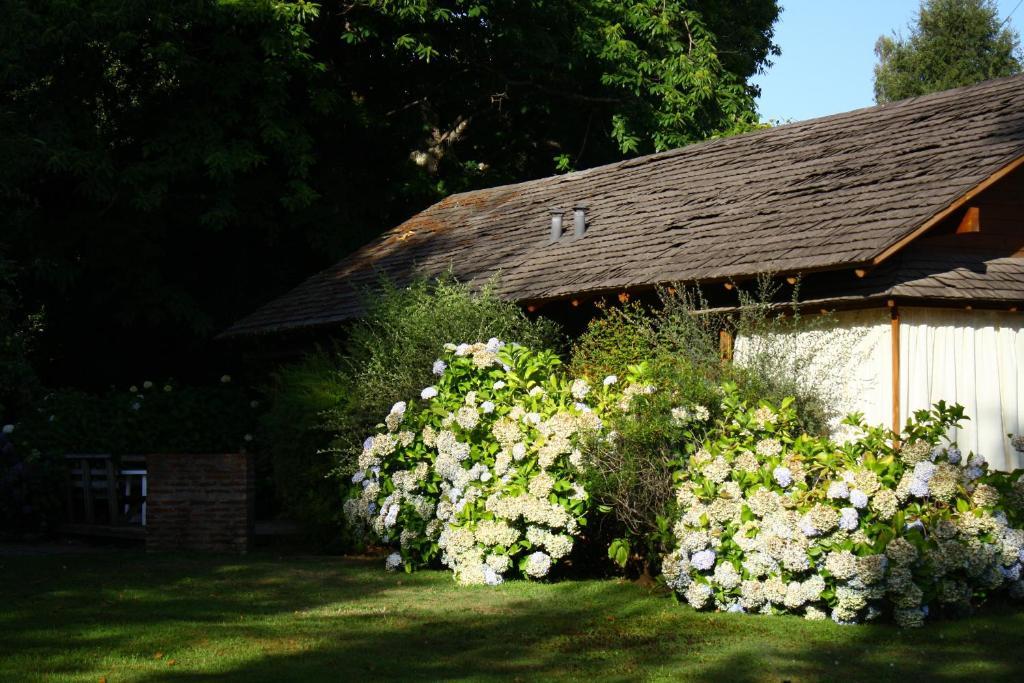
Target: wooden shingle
(828, 193)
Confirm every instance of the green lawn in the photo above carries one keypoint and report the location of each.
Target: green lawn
(129, 616)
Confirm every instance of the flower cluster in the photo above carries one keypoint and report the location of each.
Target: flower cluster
(771, 521)
(482, 473)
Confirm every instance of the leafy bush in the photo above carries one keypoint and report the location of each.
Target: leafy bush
(482, 472)
(152, 418)
(389, 351)
(774, 520)
(321, 407)
(675, 348)
(296, 459)
(19, 384)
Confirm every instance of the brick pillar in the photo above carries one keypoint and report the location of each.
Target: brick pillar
(200, 502)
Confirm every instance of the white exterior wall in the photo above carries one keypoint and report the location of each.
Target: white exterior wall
(975, 358)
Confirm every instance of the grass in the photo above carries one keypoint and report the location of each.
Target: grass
(126, 615)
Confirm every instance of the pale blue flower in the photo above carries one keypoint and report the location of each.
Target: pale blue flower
(439, 367)
(428, 393)
(924, 471)
(703, 560)
(953, 455)
(368, 443)
(918, 487)
(838, 490)
(393, 562)
(491, 577)
(358, 477)
(783, 477)
(848, 519)
(858, 499)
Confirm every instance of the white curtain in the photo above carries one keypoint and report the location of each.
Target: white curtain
(974, 358)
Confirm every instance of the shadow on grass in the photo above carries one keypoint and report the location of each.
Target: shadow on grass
(326, 619)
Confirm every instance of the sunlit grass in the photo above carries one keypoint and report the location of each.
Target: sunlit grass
(131, 616)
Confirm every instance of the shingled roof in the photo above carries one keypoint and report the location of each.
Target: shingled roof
(828, 193)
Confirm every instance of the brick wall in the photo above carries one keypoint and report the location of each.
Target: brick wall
(200, 502)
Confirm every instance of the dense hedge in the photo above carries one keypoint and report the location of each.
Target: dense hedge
(773, 520)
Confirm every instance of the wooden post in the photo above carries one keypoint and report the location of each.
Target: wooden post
(894, 315)
(725, 345)
(70, 489)
(90, 514)
(111, 492)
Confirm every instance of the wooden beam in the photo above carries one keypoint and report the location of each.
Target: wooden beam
(971, 222)
(894, 316)
(949, 210)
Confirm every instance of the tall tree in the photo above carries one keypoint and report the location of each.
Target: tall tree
(168, 165)
(954, 43)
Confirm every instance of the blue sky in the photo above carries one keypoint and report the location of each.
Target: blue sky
(828, 54)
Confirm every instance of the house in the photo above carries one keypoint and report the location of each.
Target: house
(906, 219)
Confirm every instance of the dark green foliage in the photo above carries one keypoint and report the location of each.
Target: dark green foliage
(295, 455)
(172, 164)
(953, 43)
(161, 419)
(18, 330)
(675, 347)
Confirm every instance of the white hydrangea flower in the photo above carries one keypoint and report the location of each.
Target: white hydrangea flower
(703, 560)
(428, 393)
(858, 499)
(439, 367)
(538, 564)
(393, 562)
(848, 519)
(610, 380)
(782, 475)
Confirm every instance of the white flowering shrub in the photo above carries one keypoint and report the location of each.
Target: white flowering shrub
(481, 472)
(774, 521)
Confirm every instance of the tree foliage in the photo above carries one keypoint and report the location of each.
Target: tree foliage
(954, 43)
(170, 165)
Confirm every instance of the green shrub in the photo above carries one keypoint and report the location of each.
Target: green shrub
(774, 520)
(296, 456)
(321, 408)
(675, 348)
(153, 417)
(389, 351)
(482, 472)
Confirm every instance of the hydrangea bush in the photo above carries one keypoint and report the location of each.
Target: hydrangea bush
(774, 521)
(482, 471)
